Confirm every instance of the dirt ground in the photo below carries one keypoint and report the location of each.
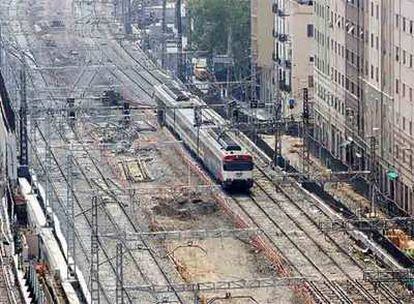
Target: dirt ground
(218, 259)
(176, 198)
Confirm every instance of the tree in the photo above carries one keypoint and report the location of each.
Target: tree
(213, 20)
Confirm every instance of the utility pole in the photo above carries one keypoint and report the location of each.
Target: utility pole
(306, 129)
(373, 173)
(94, 273)
(164, 35)
(48, 168)
(278, 143)
(70, 235)
(24, 153)
(198, 121)
(180, 69)
(126, 17)
(119, 291)
(229, 55)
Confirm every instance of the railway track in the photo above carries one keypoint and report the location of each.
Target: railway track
(306, 254)
(332, 289)
(7, 289)
(288, 210)
(338, 284)
(85, 220)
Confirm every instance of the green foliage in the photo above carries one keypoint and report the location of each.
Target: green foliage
(213, 20)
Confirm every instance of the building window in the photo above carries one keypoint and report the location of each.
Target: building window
(310, 30)
(403, 24)
(397, 84)
(310, 81)
(403, 56)
(411, 26)
(411, 93)
(403, 89)
(397, 53)
(411, 60)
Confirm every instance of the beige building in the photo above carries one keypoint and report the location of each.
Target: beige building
(403, 114)
(364, 79)
(262, 47)
(293, 54)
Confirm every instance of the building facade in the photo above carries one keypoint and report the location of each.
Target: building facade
(363, 89)
(403, 108)
(262, 20)
(293, 53)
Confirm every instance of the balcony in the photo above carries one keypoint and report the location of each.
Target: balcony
(284, 87)
(282, 13)
(283, 37)
(288, 64)
(276, 58)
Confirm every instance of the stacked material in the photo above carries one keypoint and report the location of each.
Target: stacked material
(350, 194)
(398, 237)
(410, 249)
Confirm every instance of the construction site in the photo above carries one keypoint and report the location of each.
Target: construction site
(109, 202)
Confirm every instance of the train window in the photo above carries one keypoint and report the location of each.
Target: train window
(238, 166)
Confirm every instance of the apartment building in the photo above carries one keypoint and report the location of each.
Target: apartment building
(403, 108)
(363, 88)
(262, 20)
(293, 53)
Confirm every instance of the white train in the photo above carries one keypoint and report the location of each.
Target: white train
(199, 128)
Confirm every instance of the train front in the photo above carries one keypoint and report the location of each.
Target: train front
(237, 171)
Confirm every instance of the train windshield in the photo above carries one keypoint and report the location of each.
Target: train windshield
(238, 165)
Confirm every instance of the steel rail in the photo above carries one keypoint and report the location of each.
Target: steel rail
(391, 297)
(253, 201)
(136, 229)
(84, 212)
(126, 214)
(130, 221)
(337, 290)
(11, 299)
(289, 191)
(79, 205)
(54, 189)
